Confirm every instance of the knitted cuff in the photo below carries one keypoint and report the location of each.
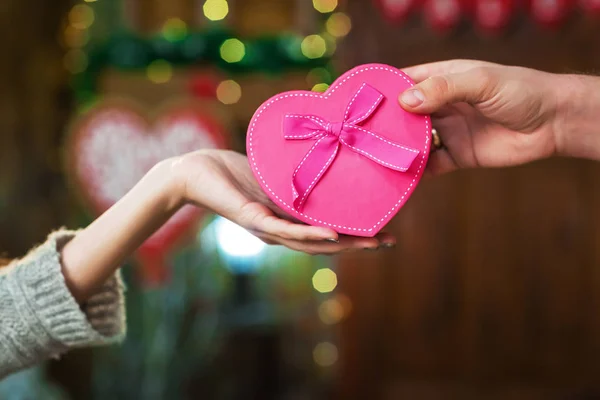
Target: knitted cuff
(62, 322)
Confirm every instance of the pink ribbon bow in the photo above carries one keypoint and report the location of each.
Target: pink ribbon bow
(329, 135)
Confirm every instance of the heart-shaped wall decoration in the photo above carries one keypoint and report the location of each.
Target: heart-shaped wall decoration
(347, 159)
(112, 146)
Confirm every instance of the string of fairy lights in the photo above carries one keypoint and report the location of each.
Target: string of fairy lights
(177, 45)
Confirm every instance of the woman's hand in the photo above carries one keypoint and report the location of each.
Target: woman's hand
(222, 182)
(218, 180)
(490, 115)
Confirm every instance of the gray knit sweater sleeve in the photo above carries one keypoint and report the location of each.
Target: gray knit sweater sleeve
(39, 318)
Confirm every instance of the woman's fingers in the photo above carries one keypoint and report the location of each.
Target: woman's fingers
(322, 246)
(386, 239)
(260, 221)
(257, 217)
(345, 243)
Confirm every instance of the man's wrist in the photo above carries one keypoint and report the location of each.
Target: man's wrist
(576, 123)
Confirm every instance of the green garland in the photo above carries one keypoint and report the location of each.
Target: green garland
(127, 51)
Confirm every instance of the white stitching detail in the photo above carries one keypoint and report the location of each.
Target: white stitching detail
(369, 155)
(326, 95)
(352, 101)
(321, 172)
(382, 139)
(308, 154)
(316, 120)
(362, 117)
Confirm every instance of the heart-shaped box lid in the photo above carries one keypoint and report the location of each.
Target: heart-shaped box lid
(347, 159)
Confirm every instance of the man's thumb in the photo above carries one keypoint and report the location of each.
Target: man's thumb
(429, 96)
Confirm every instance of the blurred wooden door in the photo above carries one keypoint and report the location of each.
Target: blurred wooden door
(494, 288)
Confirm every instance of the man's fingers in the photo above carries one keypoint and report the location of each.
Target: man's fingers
(432, 94)
(419, 73)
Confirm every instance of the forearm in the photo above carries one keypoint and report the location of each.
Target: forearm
(90, 258)
(578, 116)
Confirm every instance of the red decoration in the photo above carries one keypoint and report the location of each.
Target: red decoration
(204, 86)
(397, 10)
(550, 13)
(112, 146)
(492, 16)
(443, 15)
(592, 6)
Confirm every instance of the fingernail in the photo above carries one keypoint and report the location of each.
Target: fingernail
(412, 98)
(388, 245)
(332, 240)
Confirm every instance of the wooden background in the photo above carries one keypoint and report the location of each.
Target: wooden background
(493, 290)
(35, 104)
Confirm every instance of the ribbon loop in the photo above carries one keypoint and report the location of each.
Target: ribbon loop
(363, 105)
(329, 136)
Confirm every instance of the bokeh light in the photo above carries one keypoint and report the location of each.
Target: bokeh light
(174, 29)
(229, 92)
(236, 241)
(75, 61)
(338, 25)
(75, 38)
(81, 16)
(318, 75)
(324, 280)
(233, 50)
(159, 71)
(331, 312)
(325, 6)
(335, 309)
(215, 10)
(313, 46)
(330, 43)
(320, 87)
(325, 354)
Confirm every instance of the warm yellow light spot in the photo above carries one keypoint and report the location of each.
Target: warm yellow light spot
(325, 354)
(325, 6)
(320, 87)
(324, 280)
(81, 16)
(174, 29)
(90, 1)
(159, 71)
(338, 25)
(331, 311)
(313, 46)
(215, 10)
(229, 92)
(233, 50)
(75, 61)
(74, 37)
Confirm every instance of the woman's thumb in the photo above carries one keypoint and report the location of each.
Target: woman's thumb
(429, 96)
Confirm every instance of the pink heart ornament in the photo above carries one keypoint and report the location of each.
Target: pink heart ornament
(362, 186)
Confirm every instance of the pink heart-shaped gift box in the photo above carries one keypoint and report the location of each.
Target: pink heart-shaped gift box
(347, 159)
